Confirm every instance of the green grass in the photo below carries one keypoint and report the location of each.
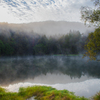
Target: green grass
(4, 95)
(42, 93)
(96, 97)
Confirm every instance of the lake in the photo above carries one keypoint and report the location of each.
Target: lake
(73, 73)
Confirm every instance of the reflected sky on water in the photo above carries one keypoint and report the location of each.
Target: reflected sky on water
(47, 69)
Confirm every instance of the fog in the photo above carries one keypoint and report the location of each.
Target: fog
(47, 53)
(49, 28)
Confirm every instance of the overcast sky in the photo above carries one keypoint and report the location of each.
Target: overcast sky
(24, 11)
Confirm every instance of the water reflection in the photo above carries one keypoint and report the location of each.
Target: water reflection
(13, 70)
(56, 79)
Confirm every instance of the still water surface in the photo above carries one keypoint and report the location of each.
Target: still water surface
(61, 72)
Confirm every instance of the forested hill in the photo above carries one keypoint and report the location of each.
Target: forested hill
(42, 38)
(47, 27)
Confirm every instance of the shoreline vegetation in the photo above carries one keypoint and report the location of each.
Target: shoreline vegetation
(42, 93)
(23, 56)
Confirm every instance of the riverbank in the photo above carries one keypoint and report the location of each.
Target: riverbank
(42, 93)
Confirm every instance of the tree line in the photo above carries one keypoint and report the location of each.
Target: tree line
(20, 44)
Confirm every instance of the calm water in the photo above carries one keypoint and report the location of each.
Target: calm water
(62, 72)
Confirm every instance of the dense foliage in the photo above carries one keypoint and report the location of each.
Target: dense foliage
(93, 42)
(15, 44)
(91, 15)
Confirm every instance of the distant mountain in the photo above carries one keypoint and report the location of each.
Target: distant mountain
(47, 27)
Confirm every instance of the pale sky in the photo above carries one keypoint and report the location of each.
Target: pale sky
(25, 11)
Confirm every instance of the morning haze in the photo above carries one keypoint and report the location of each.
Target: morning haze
(49, 28)
(42, 42)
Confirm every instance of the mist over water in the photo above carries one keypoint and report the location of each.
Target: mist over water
(62, 72)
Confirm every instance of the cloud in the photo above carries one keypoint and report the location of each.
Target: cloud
(40, 10)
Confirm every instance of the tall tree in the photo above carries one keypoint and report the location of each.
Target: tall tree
(92, 16)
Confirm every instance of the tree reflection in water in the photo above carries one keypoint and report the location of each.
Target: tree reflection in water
(18, 69)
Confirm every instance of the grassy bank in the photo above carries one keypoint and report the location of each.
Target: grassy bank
(42, 93)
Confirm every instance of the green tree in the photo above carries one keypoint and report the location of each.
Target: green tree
(1, 47)
(93, 44)
(40, 49)
(92, 16)
(8, 50)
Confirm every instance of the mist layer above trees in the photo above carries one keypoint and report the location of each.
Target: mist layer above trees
(19, 44)
(47, 28)
(42, 38)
